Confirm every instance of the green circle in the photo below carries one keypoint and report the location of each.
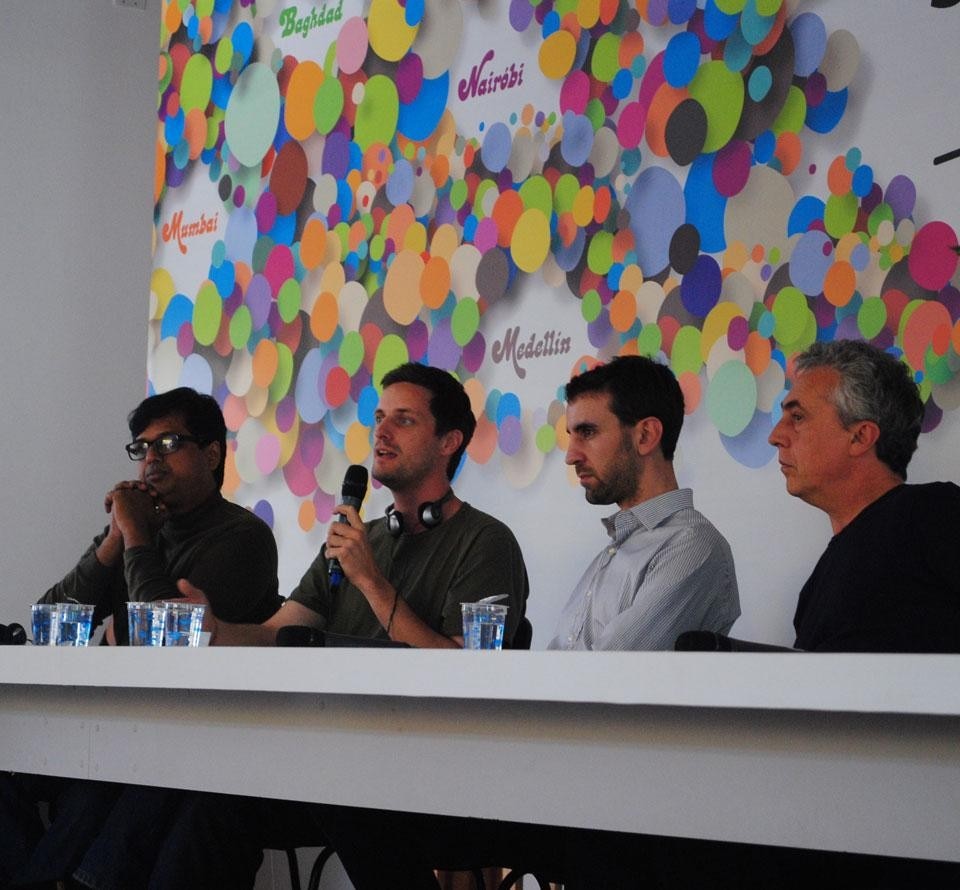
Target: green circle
(537, 194)
(720, 91)
(351, 353)
(908, 310)
(840, 214)
(207, 311)
(465, 321)
(790, 311)
(377, 113)
(793, 114)
(485, 186)
(730, 7)
(649, 340)
(605, 62)
(685, 355)
(204, 8)
(262, 249)
(288, 299)
(377, 247)
(241, 327)
(872, 317)
(767, 8)
(328, 105)
(196, 83)
(937, 367)
(458, 194)
(732, 398)
(600, 253)
(391, 353)
(280, 385)
(880, 213)
(546, 438)
(167, 72)
(590, 306)
(565, 192)
(596, 114)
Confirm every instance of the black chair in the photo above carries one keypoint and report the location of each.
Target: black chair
(708, 641)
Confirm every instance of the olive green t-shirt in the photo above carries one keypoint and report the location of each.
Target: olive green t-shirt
(467, 557)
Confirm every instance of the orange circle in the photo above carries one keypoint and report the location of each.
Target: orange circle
(265, 363)
(305, 80)
(839, 178)
(324, 317)
(840, 283)
(757, 353)
(435, 282)
(313, 243)
(789, 151)
(623, 311)
(506, 211)
(665, 100)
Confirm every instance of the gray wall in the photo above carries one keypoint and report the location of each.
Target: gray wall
(77, 93)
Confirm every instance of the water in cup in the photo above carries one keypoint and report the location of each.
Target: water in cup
(45, 620)
(76, 619)
(145, 622)
(483, 625)
(184, 622)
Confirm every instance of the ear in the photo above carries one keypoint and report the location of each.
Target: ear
(863, 437)
(646, 435)
(450, 441)
(213, 454)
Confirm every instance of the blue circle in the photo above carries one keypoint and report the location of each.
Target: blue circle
(760, 82)
(681, 58)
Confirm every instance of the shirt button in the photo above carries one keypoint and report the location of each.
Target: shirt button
(611, 550)
(589, 593)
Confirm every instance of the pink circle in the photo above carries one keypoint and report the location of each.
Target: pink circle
(631, 123)
(575, 93)
(731, 168)
(485, 237)
(932, 261)
(279, 267)
(323, 505)
(352, 43)
(267, 454)
(185, 340)
(300, 479)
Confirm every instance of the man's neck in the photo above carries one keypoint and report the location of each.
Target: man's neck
(657, 479)
(858, 496)
(408, 502)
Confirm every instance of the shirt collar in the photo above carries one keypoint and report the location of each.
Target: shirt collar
(648, 514)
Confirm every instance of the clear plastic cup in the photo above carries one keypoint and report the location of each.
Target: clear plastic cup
(45, 621)
(184, 623)
(76, 621)
(146, 623)
(483, 625)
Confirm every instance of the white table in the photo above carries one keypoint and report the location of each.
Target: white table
(835, 752)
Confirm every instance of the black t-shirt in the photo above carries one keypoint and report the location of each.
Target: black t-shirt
(890, 580)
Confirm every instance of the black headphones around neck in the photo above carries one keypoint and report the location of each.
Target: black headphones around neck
(430, 515)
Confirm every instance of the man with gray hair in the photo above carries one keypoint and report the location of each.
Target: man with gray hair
(889, 581)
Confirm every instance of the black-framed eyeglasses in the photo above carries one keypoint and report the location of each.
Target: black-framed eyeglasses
(165, 443)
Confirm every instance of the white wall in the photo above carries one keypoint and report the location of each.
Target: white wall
(77, 99)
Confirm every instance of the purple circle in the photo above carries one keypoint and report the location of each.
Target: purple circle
(700, 288)
(815, 89)
(266, 212)
(336, 155)
(737, 332)
(511, 435)
(521, 13)
(286, 414)
(444, 353)
(901, 195)
(258, 299)
(731, 168)
(485, 238)
(311, 445)
(409, 77)
(657, 12)
(263, 510)
(474, 353)
(577, 139)
(417, 337)
(932, 415)
(599, 330)
(810, 261)
(825, 313)
(185, 340)
(400, 183)
(239, 196)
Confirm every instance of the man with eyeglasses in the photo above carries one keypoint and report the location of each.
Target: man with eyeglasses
(170, 522)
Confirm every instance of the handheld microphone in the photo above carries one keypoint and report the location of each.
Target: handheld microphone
(12, 635)
(352, 494)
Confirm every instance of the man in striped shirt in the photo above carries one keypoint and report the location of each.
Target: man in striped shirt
(666, 569)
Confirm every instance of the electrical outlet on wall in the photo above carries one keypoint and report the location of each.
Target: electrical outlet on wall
(132, 4)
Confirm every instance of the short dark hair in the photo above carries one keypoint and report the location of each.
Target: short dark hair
(875, 386)
(638, 387)
(200, 414)
(449, 403)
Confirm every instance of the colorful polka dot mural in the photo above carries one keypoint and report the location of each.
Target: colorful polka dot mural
(321, 215)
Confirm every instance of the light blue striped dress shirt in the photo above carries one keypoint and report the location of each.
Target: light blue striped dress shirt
(666, 570)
